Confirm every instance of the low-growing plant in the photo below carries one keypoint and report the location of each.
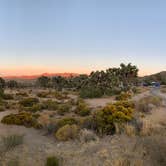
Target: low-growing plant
(50, 105)
(87, 136)
(66, 121)
(29, 102)
(13, 162)
(64, 108)
(52, 161)
(11, 141)
(123, 96)
(22, 94)
(8, 96)
(2, 108)
(67, 132)
(23, 118)
(42, 94)
(118, 112)
(82, 108)
(146, 104)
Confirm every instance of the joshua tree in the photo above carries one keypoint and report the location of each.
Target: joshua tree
(12, 84)
(43, 81)
(2, 83)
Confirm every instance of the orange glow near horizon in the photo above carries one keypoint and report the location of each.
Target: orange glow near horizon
(19, 71)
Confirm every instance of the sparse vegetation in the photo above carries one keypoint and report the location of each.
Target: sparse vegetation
(23, 118)
(67, 132)
(52, 161)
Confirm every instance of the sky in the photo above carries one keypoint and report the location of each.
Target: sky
(38, 36)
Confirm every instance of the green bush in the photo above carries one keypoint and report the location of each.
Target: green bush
(34, 108)
(66, 121)
(82, 108)
(23, 118)
(123, 96)
(63, 108)
(90, 92)
(67, 132)
(29, 102)
(106, 118)
(50, 105)
(52, 161)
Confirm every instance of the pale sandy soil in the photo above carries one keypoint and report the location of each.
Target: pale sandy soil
(37, 146)
(99, 102)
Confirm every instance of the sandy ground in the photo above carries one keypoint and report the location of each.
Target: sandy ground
(37, 146)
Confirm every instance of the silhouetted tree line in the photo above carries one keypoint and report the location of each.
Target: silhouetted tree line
(98, 83)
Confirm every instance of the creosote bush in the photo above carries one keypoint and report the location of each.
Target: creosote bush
(82, 108)
(23, 118)
(67, 132)
(123, 96)
(118, 112)
(29, 102)
(64, 108)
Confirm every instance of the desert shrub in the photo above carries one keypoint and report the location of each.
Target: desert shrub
(52, 161)
(23, 118)
(146, 104)
(67, 132)
(29, 102)
(1, 93)
(34, 108)
(90, 92)
(63, 108)
(66, 121)
(82, 108)
(113, 113)
(50, 105)
(22, 94)
(50, 128)
(8, 97)
(2, 108)
(11, 141)
(42, 94)
(59, 96)
(87, 136)
(123, 96)
(13, 162)
(89, 123)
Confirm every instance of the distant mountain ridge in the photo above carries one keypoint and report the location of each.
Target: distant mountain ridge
(159, 77)
(30, 77)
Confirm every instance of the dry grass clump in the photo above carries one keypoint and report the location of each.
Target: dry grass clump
(87, 136)
(146, 104)
(67, 132)
(11, 141)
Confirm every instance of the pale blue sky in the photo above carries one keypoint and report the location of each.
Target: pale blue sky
(81, 35)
